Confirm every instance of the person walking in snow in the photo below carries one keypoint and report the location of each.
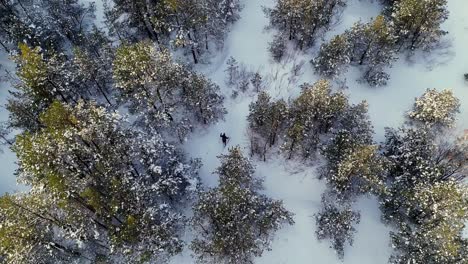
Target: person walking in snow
(224, 138)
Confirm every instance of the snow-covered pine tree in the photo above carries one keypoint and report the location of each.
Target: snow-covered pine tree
(232, 71)
(188, 24)
(134, 20)
(21, 23)
(373, 45)
(311, 114)
(426, 196)
(336, 221)
(277, 47)
(333, 57)
(221, 14)
(353, 169)
(257, 82)
(303, 21)
(49, 24)
(438, 214)
(70, 19)
(418, 23)
(112, 190)
(235, 223)
(40, 82)
(267, 121)
(165, 95)
(93, 69)
(436, 109)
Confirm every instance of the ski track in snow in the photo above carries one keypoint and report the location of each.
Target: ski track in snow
(297, 184)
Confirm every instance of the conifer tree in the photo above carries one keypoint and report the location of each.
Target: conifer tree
(336, 221)
(303, 21)
(311, 114)
(277, 47)
(267, 121)
(435, 108)
(234, 221)
(418, 23)
(333, 57)
(373, 45)
(165, 94)
(107, 186)
(190, 25)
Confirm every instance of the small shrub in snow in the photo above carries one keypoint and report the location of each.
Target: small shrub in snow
(232, 71)
(257, 82)
(277, 47)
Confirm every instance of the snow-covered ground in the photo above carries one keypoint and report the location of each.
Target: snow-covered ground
(7, 158)
(297, 184)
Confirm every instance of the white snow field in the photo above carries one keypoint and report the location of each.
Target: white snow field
(297, 184)
(7, 158)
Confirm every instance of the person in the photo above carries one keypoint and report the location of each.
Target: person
(224, 138)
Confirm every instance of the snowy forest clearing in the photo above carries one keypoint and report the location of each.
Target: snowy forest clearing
(296, 182)
(297, 185)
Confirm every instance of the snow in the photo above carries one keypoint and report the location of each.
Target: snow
(7, 158)
(297, 184)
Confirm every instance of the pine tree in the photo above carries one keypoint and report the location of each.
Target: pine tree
(108, 186)
(311, 114)
(303, 21)
(418, 23)
(165, 94)
(267, 121)
(438, 214)
(373, 45)
(70, 19)
(232, 71)
(50, 24)
(435, 108)
(426, 197)
(196, 23)
(234, 221)
(257, 82)
(333, 58)
(336, 222)
(277, 47)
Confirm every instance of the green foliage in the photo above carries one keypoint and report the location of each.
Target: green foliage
(436, 108)
(418, 23)
(312, 113)
(235, 222)
(33, 72)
